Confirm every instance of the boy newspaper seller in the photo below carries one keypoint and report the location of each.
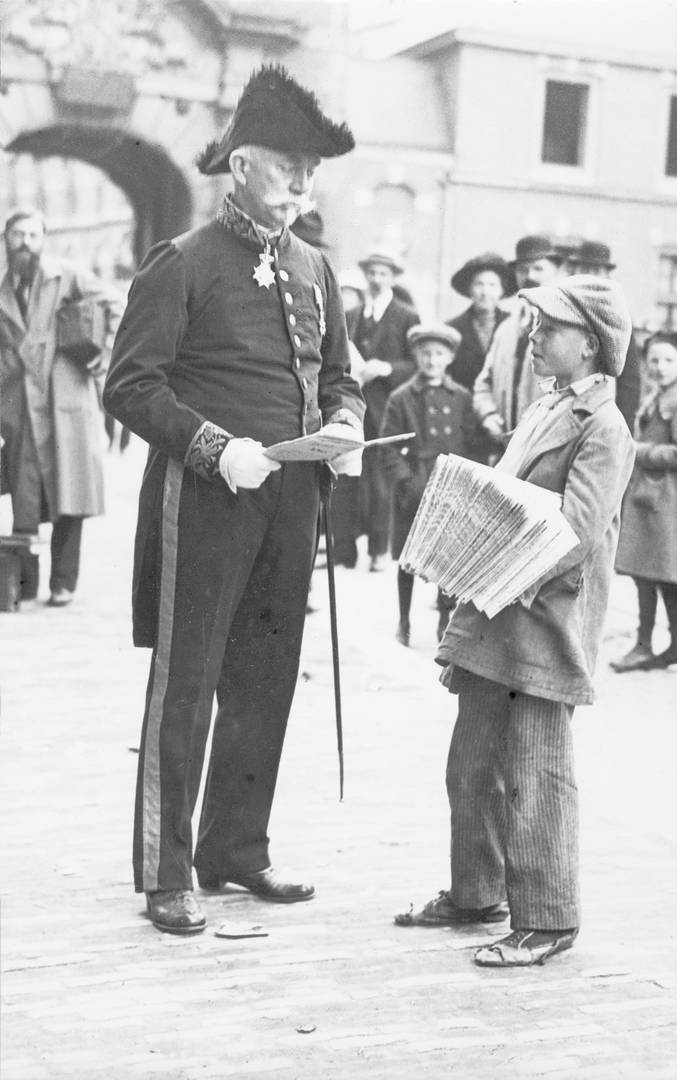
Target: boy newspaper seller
(519, 675)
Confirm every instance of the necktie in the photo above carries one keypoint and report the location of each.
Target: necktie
(22, 293)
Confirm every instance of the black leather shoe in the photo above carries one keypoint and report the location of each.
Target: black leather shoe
(264, 883)
(175, 911)
(269, 886)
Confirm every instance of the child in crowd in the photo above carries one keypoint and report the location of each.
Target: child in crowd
(439, 411)
(647, 548)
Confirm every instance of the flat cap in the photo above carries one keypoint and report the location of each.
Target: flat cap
(434, 331)
(594, 303)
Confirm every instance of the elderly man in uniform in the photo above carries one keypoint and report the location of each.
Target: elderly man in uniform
(234, 338)
(519, 675)
(50, 413)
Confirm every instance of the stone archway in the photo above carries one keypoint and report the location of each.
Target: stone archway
(155, 186)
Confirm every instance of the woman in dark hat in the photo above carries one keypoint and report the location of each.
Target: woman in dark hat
(486, 279)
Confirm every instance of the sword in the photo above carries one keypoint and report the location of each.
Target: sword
(328, 482)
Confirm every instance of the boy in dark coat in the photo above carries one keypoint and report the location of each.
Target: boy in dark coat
(440, 412)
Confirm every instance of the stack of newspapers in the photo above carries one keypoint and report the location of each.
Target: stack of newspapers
(481, 535)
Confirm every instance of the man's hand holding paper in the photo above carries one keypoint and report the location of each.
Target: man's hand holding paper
(349, 464)
(244, 464)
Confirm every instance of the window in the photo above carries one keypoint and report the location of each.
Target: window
(671, 155)
(566, 106)
(667, 290)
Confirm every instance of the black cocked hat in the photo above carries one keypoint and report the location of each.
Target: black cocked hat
(277, 112)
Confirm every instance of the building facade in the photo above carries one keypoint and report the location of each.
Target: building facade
(471, 130)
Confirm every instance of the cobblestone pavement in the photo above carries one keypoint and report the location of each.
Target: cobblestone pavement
(92, 992)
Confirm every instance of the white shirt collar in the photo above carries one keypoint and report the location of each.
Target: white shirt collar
(375, 306)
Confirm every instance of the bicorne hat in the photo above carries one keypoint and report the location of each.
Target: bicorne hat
(277, 112)
(463, 278)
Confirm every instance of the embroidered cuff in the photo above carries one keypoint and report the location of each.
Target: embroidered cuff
(345, 416)
(205, 449)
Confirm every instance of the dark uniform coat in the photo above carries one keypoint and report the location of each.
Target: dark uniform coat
(200, 340)
(205, 353)
(50, 412)
(647, 547)
(442, 418)
(548, 647)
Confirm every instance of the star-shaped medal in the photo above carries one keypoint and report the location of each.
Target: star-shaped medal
(264, 275)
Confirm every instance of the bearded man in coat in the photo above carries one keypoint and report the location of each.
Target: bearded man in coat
(519, 675)
(50, 413)
(234, 338)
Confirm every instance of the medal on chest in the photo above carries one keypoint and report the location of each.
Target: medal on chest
(264, 275)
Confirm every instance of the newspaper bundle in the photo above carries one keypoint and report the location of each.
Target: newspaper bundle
(481, 535)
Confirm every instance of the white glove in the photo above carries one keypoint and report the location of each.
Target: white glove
(244, 464)
(350, 462)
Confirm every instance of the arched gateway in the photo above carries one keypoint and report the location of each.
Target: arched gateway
(135, 88)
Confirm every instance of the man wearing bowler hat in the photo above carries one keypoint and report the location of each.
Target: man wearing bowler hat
(234, 338)
(506, 385)
(378, 328)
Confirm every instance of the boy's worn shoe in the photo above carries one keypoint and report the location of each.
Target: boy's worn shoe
(522, 948)
(403, 632)
(442, 911)
(175, 911)
(640, 658)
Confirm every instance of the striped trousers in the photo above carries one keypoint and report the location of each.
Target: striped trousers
(234, 581)
(514, 805)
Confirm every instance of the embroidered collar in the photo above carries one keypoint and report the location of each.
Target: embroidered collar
(236, 221)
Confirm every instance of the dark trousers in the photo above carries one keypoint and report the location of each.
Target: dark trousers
(65, 558)
(647, 597)
(234, 585)
(514, 805)
(375, 504)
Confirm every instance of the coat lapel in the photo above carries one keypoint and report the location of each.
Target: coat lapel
(568, 424)
(9, 305)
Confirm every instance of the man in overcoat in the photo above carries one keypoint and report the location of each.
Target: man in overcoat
(50, 412)
(234, 338)
(378, 327)
(519, 675)
(506, 386)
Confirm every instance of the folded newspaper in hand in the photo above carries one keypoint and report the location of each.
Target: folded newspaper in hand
(484, 536)
(319, 447)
